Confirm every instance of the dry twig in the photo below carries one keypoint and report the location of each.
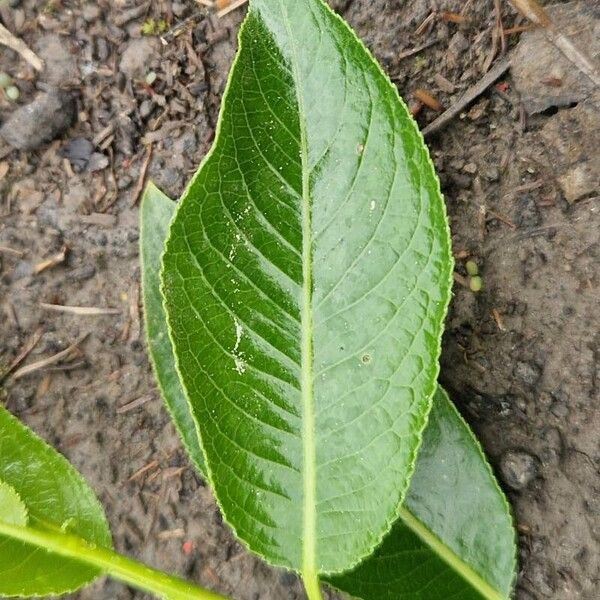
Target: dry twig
(133, 404)
(416, 49)
(139, 186)
(51, 360)
(8, 39)
(31, 343)
(100, 219)
(476, 90)
(12, 251)
(53, 261)
(182, 26)
(420, 30)
(83, 311)
(133, 13)
(428, 100)
(231, 7)
(149, 467)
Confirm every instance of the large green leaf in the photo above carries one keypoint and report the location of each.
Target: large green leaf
(455, 537)
(156, 213)
(54, 497)
(306, 279)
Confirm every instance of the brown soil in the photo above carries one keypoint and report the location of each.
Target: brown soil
(521, 358)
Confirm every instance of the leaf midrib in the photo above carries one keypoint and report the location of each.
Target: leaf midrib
(309, 514)
(447, 555)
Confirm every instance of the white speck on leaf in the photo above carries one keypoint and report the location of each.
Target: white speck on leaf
(233, 249)
(240, 365)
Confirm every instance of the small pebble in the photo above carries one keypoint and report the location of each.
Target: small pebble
(528, 215)
(97, 162)
(102, 49)
(146, 108)
(559, 409)
(475, 283)
(472, 268)
(45, 118)
(527, 373)
(518, 469)
(199, 88)
(124, 182)
(82, 273)
(12, 93)
(150, 77)
(178, 9)
(91, 12)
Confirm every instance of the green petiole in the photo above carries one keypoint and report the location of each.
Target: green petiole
(110, 563)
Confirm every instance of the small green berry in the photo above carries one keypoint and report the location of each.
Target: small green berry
(12, 93)
(476, 283)
(472, 268)
(5, 80)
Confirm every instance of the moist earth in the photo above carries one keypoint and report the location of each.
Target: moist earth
(519, 170)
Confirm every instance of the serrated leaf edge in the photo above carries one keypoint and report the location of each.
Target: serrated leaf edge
(208, 156)
(199, 469)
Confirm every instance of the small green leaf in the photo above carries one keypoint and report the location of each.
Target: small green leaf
(156, 213)
(55, 496)
(455, 537)
(306, 279)
(12, 509)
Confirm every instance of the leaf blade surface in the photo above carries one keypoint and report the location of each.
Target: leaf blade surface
(55, 496)
(306, 278)
(455, 537)
(156, 213)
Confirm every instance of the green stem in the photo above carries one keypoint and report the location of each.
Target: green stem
(312, 586)
(105, 560)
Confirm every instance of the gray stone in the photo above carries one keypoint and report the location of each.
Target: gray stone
(91, 12)
(528, 214)
(137, 57)
(98, 162)
(60, 64)
(572, 138)
(542, 74)
(528, 373)
(45, 118)
(178, 9)
(146, 108)
(78, 151)
(82, 273)
(518, 469)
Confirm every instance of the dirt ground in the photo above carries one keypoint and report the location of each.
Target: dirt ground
(519, 169)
